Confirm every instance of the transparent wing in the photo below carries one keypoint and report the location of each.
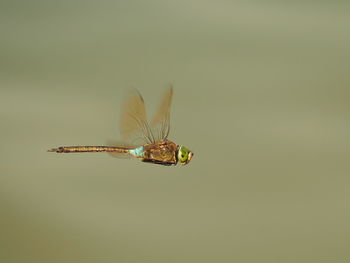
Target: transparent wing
(134, 124)
(161, 120)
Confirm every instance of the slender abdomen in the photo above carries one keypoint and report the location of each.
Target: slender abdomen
(80, 149)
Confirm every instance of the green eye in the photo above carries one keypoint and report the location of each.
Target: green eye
(182, 154)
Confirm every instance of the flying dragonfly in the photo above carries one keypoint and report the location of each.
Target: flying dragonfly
(154, 146)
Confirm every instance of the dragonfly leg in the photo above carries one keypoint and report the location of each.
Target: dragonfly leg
(157, 162)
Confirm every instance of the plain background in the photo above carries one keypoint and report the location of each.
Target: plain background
(261, 95)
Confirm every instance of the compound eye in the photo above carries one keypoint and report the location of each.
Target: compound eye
(183, 154)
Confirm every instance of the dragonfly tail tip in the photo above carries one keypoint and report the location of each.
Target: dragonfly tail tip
(52, 150)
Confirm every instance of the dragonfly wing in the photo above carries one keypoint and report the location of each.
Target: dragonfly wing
(161, 120)
(134, 124)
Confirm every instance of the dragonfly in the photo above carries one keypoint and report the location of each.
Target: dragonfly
(152, 136)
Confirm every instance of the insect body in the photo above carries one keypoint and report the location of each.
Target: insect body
(156, 148)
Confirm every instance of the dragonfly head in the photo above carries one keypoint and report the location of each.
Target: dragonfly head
(184, 155)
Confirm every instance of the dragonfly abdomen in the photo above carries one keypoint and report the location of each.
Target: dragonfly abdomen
(77, 149)
(138, 152)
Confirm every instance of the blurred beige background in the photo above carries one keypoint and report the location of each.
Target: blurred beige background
(261, 97)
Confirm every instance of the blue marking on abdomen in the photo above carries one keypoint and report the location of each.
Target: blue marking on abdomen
(138, 151)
